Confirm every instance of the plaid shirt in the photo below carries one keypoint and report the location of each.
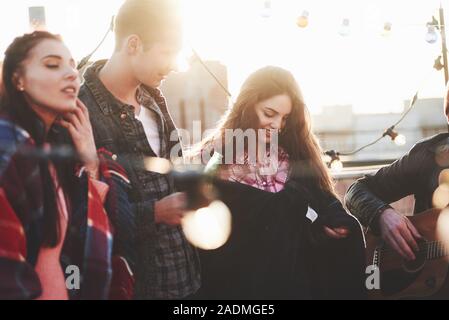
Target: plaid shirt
(88, 241)
(167, 266)
(253, 174)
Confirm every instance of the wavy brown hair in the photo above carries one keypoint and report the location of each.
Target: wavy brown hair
(296, 138)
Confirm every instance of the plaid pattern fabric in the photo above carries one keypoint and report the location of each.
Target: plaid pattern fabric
(253, 175)
(167, 266)
(88, 242)
(98, 248)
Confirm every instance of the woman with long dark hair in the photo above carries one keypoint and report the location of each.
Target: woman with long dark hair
(55, 237)
(288, 225)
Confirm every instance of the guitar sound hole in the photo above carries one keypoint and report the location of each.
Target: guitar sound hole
(418, 263)
(401, 275)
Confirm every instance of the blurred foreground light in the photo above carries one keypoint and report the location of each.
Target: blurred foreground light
(208, 228)
(444, 177)
(441, 196)
(158, 165)
(442, 229)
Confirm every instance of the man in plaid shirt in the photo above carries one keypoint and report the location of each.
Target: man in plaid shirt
(129, 116)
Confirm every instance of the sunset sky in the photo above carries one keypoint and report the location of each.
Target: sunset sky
(372, 72)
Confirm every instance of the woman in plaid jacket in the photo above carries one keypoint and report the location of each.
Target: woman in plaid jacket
(55, 236)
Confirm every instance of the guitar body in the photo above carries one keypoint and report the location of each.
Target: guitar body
(426, 277)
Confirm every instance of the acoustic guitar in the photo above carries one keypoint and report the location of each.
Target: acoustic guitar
(426, 276)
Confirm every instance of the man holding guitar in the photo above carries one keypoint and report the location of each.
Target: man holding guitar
(416, 173)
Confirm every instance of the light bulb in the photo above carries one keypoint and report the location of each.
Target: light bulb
(159, 165)
(387, 29)
(400, 140)
(303, 19)
(37, 18)
(431, 35)
(336, 166)
(266, 11)
(327, 158)
(344, 28)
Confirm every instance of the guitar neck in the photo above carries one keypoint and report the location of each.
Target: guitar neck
(435, 250)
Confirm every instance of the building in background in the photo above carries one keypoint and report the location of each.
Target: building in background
(340, 129)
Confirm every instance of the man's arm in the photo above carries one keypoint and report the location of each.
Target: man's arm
(369, 199)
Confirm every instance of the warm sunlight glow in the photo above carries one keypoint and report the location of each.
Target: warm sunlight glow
(373, 72)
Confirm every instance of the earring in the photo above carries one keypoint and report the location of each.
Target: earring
(21, 88)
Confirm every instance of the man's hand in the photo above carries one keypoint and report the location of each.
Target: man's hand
(399, 233)
(171, 209)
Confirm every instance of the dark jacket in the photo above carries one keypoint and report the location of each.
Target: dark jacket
(271, 253)
(416, 173)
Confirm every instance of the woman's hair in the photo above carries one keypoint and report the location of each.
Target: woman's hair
(14, 105)
(296, 138)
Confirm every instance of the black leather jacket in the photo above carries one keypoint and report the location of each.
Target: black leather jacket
(416, 173)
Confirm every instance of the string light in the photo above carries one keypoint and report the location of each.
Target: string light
(303, 19)
(438, 65)
(440, 197)
(266, 11)
(345, 28)
(399, 139)
(335, 163)
(387, 29)
(431, 35)
(37, 18)
(440, 200)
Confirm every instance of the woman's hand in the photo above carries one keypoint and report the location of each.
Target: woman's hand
(336, 233)
(80, 129)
